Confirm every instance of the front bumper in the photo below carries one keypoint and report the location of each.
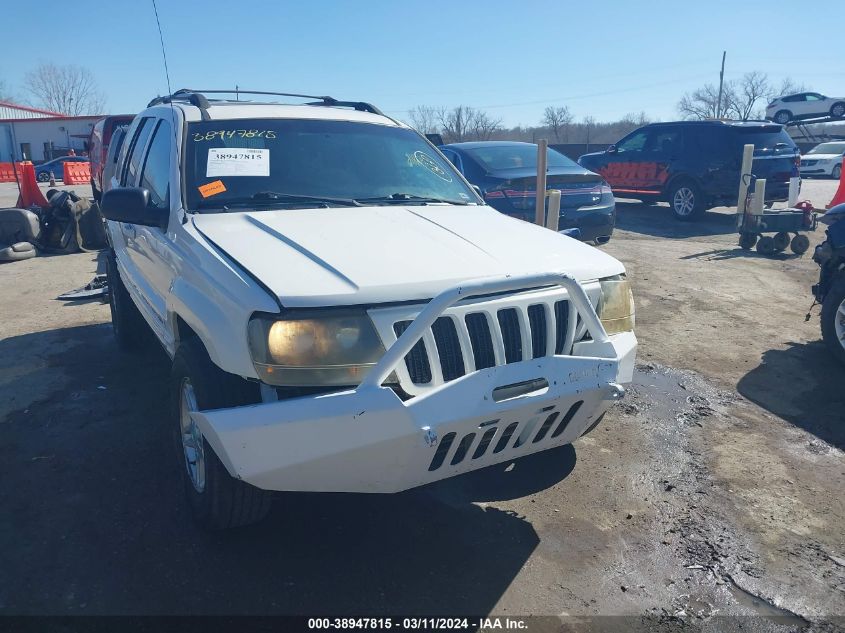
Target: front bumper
(371, 440)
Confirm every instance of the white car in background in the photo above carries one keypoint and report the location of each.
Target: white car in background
(824, 159)
(805, 105)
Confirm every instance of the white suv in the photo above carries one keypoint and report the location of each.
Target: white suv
(343, 311)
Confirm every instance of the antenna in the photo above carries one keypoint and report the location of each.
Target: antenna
(163, 53)
(169, 91)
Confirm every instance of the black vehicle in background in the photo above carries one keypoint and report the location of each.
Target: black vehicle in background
(695, 165)
(506, 174)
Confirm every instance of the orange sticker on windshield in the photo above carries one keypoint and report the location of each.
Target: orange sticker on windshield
(212, 188)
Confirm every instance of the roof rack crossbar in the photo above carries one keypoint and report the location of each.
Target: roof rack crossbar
(197, 98)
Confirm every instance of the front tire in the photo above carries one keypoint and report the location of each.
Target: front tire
(43, 177)
(218, 501)
(836, 173)
(782, 117)
(686, 200)
(837, 110)
(128, 324)
(833, 320)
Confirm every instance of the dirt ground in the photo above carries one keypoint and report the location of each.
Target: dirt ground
(714, 489)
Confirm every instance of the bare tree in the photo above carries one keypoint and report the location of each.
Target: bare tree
(787, 87)
(465, 123)
(68, 89)
(5, 93)
(703, 103)
(483, 126)
(426, 119)
(558, 120)
(745, 94)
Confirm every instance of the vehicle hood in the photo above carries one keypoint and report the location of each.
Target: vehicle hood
(370, 255)
(531, 172)
(820, 156)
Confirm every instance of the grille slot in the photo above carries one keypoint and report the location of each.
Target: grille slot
(537, 321)
(463, 448)
(481, 341)
(484, 443)
(442, 449)
(506, 436)
(561, 325)
(417, 359)
(449, 348)
(567, 418)
(546, 426)
(511, 335)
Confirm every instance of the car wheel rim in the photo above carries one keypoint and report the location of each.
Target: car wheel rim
(838, 110)
(192, 441)
(684, 201)
(839, 324)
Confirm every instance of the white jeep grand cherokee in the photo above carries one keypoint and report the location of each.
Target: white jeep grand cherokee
(343, 311)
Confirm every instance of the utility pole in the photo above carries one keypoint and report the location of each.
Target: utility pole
(721, 84)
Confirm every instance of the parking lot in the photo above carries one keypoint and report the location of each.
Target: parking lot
(714, 488)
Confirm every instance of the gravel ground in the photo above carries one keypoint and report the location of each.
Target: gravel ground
(712, 490)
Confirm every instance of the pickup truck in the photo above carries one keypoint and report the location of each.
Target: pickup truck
(343, 311)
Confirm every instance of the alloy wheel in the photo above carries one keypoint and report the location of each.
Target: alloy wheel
(192, 440)
(684, 201)
(839, 324)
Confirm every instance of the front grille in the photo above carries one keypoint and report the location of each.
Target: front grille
(458, 344)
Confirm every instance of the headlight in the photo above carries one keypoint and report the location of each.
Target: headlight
(616, 308)
(314, 348)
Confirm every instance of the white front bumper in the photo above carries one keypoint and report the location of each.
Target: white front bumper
(370, 440)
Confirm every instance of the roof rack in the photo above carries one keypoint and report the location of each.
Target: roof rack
(198, 99)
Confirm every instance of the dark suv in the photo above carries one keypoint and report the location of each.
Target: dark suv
(695, 165)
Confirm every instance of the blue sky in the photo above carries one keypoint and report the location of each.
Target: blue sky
(512, 58)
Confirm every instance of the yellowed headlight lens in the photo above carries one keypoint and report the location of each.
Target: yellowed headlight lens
(616, 309)
(329, 348)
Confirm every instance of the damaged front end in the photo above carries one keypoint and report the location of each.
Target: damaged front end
(487, 371)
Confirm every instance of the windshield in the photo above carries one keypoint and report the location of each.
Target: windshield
(828, 148)
(274, 162)
(496, 157)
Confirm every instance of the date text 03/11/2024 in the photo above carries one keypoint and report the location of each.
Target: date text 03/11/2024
(419, 624)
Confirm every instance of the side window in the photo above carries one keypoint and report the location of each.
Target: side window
(634, 143)
(155, 175)
(666, 142)
(132, 163)
(812, 96)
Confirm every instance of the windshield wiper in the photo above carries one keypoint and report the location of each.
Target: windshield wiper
(274, 196)
(406, 198)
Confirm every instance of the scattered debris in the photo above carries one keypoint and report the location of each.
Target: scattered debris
(97, 287)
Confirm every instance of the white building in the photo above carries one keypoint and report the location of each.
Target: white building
(38, 135)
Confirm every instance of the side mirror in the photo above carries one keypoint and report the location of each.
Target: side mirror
(132, 205)
(611, 149)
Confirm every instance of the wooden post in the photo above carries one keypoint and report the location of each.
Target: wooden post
(540, 211)
(759, 201)
(553, 216)
(747, 160)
